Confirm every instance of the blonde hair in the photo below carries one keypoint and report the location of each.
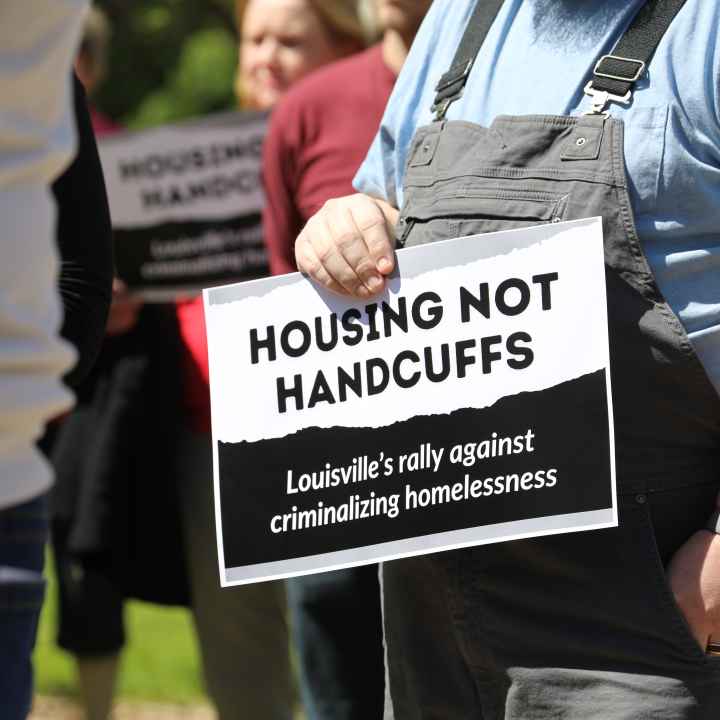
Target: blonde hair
(95, 42)
(348, 22)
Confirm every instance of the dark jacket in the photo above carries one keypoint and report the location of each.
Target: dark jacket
(84, 236)
(114, 503)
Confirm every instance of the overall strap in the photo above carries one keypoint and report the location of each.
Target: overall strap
(615, 75)
(452, 83)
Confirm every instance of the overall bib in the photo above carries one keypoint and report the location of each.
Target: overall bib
(581, 625)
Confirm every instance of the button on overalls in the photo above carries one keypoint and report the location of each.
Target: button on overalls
(582, 625)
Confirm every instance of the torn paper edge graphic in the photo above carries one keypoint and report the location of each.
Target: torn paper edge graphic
(291, 298)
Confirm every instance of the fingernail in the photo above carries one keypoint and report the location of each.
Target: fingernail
(384, 265)
(374, 283)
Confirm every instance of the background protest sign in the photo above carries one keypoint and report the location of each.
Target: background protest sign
(469, 404)
(186, 203)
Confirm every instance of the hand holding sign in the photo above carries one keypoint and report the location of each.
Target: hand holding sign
(347, 246)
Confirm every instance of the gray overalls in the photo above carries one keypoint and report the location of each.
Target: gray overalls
(581, 625)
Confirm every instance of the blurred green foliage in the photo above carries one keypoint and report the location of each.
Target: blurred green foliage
(169, 60)
(160, 661)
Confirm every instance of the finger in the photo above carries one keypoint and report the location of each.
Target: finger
(351, 245)
(332, 259)
(301, 261)
(375, 228)
(312, 253)
(309, 263)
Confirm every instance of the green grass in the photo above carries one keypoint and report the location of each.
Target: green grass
(160, 661)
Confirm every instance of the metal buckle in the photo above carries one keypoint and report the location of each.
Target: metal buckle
(601, 98)
(452, 75)
(633, 78)
(456, 75)
(441, 108)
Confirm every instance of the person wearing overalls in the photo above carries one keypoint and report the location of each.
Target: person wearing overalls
(558, 110)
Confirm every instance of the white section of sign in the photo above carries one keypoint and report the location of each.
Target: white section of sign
(568, 341)
(206, 170)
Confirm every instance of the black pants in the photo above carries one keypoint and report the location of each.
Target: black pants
(337, 630)
(573, 626)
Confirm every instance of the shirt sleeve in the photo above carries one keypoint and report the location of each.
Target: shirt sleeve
(373, 178)
(381, 173)
(37, 45)
(282, 222)
(85, 241)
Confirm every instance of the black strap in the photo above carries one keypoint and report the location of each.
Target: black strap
(618, 72)
(615, 74)
(452, 83)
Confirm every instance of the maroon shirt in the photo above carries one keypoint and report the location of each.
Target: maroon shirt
(319, 135)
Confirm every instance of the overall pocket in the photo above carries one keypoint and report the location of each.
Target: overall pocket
(670, 518)
(473, 211)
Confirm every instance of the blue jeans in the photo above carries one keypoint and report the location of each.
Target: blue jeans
(23, 532)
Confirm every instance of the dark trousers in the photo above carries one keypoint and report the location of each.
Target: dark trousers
(582, 626)
(23, 532)
(336, 622)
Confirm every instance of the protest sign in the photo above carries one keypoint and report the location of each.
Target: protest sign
(186, 203)
(468, 404)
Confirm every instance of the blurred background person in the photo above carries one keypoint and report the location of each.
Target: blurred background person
(99, 451)
(37, 141)
(135, 459)
(319, 134)
(84, 237)
(91, 66)
(281, 41)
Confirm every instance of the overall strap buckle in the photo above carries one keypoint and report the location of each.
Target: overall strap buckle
(600, 99)
(614, 67)
(452, 83)
(450, 87)
(622, 73)
(616, 74)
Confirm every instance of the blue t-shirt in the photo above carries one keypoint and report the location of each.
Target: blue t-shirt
(537, 58)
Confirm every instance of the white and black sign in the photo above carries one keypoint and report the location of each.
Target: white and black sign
(186, 203)
(468, 404)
